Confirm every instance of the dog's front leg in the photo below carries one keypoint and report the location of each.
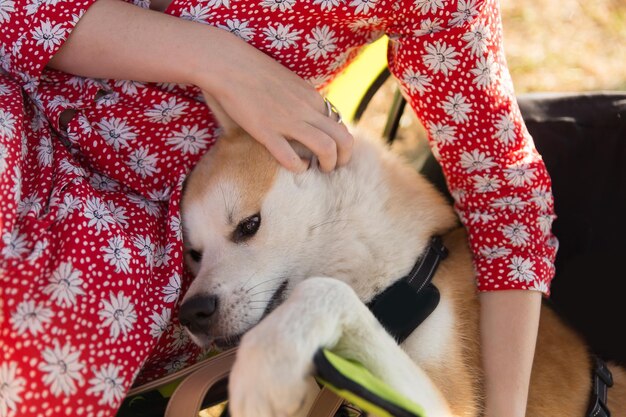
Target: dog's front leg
(274, 359)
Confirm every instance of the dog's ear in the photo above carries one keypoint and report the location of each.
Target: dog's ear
(227, 124)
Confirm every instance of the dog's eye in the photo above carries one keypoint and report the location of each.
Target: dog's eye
(195, 255)
(247, 228)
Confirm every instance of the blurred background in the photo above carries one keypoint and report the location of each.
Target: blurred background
(551, 46)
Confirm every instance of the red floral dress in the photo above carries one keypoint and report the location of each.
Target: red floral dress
(90, 252)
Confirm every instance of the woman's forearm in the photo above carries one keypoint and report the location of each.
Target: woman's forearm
(117, 40)
(121, 41)
(509, 323)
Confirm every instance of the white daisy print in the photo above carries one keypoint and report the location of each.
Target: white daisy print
(6, 8)
(108, 99)
(218, 3)
(11, 386)
(505, 129)
(282, 5)
(321, 41)
(521, 270)
(363, 6)
(239, 28)
(442, 134)
(103, 183)
(542, 197)
(30, 317)
(172, 290)
(128, 86)
(7, 124)
(428, 6)
(40, 247)
(520, 175)
(485, 183)
(545, 223)
(485, 72)
(513, 203)
(476, 161)
(45, 151)
(59, 101)
(180, 337)
(146, 248)
(65, 285)
(281, 36)
(440, 57)
(33, 6)
(69, 205)
(17, 183)
(115, 132)
(190, 140)
(177, 363)
(363, 23)
(457, 107)
(62, 369)
(541, 286)
(162, 255)
(118, 314)
(327, 4)
(160, 322)
(15, 244)
(4, 153)
(108, 383)
(166, 111)
(31, 203)
(176, 227)
(477, 38)
(117, 255)
(517, 233)
(150, 207)
(142, 162)
(197, 13)
(98, 214)
(466, 12)
(416, 81)
(493, 252)
(428, 27)
(481, 216)
(118, 213)
(164, 194)
(49, 35)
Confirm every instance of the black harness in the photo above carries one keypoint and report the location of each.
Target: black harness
(404, 305)
(602, 381)
(409, 301)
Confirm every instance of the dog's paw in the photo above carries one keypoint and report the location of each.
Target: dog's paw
(269, 380)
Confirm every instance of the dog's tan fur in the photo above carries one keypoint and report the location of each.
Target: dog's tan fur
(561, 382)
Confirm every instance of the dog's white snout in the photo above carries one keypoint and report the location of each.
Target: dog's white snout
(195, 313)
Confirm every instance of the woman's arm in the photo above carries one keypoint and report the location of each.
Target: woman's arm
(121, 41)
(509, 322)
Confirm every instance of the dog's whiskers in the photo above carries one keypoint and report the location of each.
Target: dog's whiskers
(261, 283)
(315, 226)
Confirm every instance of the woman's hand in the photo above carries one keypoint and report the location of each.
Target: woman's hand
(273, 104)
(121, 41)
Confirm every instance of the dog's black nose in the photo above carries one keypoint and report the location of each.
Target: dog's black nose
(195, 313)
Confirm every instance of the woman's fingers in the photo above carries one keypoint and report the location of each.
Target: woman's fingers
(340, 134)
(284, 153)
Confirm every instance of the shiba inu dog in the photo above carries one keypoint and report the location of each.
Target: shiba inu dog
(284, 264)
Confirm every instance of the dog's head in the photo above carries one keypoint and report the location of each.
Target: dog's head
(248, 226)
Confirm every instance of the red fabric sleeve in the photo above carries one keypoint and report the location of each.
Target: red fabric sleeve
(453, 71)
(32, 32)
